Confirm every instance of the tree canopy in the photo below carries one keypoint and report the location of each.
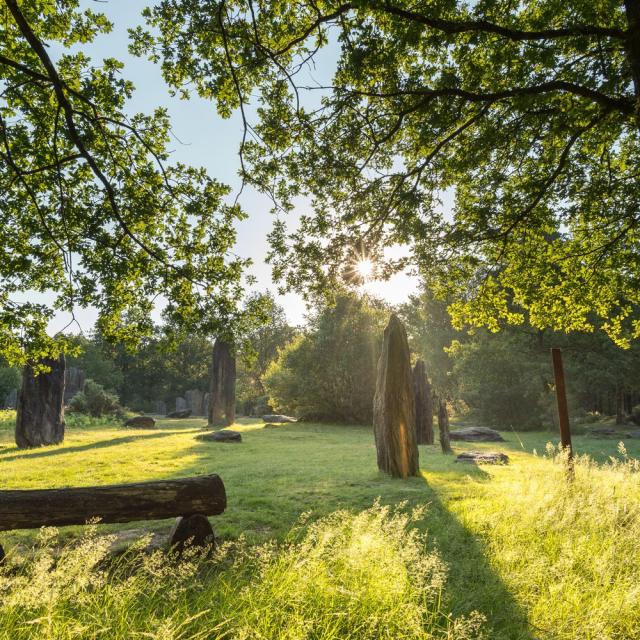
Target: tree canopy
(527, 114)
(91, 209)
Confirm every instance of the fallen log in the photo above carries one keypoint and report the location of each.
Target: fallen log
(155, 500)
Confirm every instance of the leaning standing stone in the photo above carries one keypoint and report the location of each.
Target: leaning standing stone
(423, 404)
(40, 410)
(393, 405)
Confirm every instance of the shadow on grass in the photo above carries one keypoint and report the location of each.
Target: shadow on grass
(54, 450)
(270, 484)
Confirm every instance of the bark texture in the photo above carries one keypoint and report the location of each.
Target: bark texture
(443, 426)
(423, 404)
(203, 495)
(222, 393)
(40, 408)
(393, 405)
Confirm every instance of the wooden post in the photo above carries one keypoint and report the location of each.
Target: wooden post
(561, 397)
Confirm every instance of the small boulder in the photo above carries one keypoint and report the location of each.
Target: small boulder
(633, 434)
(604, 432)
(278, 418)
(141, 422)
(476, 434)
(483, 457)
(226, 435)
(183, 413)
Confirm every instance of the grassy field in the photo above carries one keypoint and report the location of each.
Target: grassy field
(536, 557)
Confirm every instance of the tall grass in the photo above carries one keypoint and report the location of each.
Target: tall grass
(358, 576)
(569, 548)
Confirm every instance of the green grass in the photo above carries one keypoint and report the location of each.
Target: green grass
(537, 557)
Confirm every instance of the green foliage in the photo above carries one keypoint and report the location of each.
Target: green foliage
(91, 208)
(258, 349)
(94, 359)
(7, 419)
(526, 114)
(9, 380)
(504, 380)
(94, 401)
(329, 371)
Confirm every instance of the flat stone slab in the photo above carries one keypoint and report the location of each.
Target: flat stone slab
(483, 457)
(278, 418)
(141, 422)
(634, 434)
(226, 435)
(183, 413)
(605, 432)
(476, 434)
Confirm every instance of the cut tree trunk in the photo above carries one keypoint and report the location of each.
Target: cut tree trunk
(620, 405)
(222, 393)
(443, 426)
(393, 405)
(423, 404)
(112, 503)
(40, 408)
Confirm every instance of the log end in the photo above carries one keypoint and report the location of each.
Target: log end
(194, 530)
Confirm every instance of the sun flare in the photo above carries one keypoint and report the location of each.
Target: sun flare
(365, 269)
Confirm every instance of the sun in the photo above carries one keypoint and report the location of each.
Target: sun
(365, 269)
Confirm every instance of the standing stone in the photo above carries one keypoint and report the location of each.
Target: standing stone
(40, 410)
(205, 404)
(222, 393)
(11, 401)
(393, 405)
(74, 379)
(194, 402)
(181, 404)
(160, 408)
(443, 426)
(423, 404)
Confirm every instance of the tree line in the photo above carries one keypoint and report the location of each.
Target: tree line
(326, 370)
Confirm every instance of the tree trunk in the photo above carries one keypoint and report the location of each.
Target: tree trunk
(443, 426)
(222, 394)
(40, 409)
(393, 405)
(423, 404)
(619, 405)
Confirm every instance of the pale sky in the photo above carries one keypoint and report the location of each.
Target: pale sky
(209, 141)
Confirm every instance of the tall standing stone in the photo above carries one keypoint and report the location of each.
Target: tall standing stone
(194, 402)
(181, 403)
(423, 404)
(393, 405)
(40, 407)
(74, 381)
(222, 393)
(443, 426)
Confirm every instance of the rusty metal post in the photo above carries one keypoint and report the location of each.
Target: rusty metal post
(561, 398)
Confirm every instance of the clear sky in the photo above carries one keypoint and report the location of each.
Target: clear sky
(207, 140)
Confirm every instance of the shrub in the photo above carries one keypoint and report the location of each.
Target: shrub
(95, 401)
(329, 373)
